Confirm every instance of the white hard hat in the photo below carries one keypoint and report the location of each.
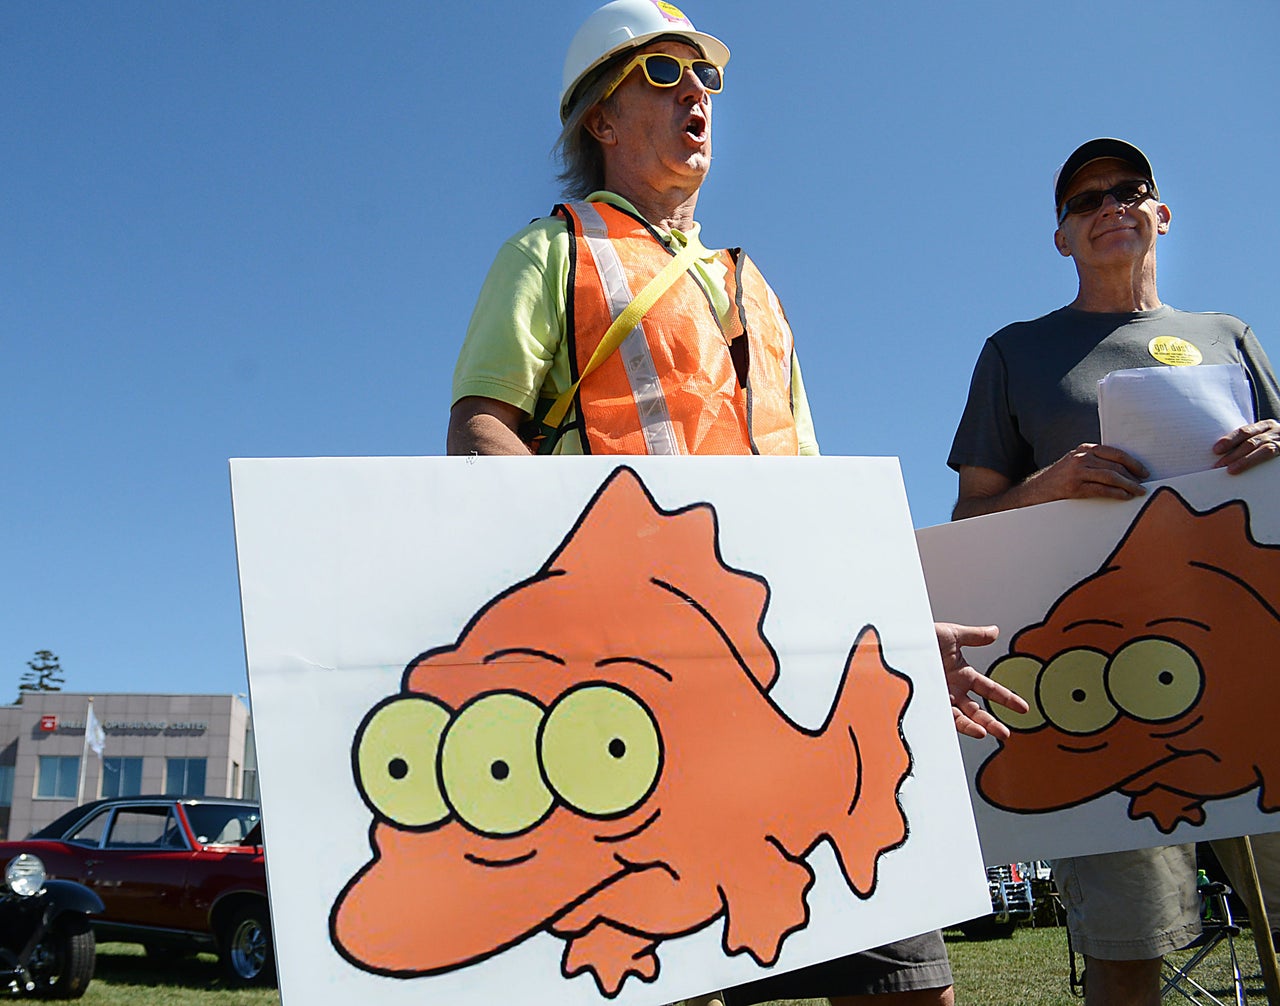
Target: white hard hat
(626, 24)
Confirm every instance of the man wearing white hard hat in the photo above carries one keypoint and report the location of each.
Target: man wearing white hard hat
(609, 328)
(636, 146)
(1030, 434)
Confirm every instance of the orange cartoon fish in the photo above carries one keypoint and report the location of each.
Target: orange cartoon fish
(1153, 677)
(598, 757)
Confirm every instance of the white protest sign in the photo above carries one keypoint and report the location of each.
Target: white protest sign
(1146, 636)
(593, 728)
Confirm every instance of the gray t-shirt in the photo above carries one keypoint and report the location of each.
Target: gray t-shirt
(1034, 393)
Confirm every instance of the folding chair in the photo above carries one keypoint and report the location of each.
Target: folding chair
(1218, 927)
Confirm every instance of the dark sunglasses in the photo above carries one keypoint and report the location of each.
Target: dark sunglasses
(662, 70)
(1124, 193)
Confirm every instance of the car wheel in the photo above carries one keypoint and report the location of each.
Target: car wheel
(62, 963)
(247, 953)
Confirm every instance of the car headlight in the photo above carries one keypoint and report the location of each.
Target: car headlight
(25, 875)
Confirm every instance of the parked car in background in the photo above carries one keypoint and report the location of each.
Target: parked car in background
(46, 944)
(176, 874)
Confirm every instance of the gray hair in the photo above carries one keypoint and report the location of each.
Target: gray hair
(576, 149)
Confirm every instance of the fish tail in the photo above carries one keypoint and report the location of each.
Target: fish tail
(865, 726)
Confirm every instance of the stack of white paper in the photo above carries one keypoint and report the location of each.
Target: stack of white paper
(1170, 417)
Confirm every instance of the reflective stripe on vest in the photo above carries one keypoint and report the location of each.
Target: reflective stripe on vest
(672, 387)
(646, 389)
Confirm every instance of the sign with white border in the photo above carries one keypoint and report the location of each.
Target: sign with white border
(1146, 636)
(712, 613)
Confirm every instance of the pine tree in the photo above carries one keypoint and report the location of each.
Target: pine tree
(45, 674)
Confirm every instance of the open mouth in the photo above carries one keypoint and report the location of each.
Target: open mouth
(696, 126)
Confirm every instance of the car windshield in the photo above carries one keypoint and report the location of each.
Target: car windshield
(220, 823)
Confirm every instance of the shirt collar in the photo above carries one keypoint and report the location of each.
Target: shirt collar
(676, 238)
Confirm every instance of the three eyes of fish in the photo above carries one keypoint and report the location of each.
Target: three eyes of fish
(501, 763)
(1082, 691)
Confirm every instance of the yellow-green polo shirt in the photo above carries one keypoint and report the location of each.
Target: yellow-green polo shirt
(515, 350)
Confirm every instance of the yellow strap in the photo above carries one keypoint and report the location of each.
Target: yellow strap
(622, 326)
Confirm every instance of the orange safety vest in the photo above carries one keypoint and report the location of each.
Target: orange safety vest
(674, 386)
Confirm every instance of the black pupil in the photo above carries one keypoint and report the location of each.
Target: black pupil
(500, 770)
(617, 747)
(1165, 678)
(397, 768)
(1079, 695)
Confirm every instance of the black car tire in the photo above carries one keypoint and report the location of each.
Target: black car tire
(64, 959)
(248, 955)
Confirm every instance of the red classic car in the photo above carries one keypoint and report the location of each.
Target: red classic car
(174, 873)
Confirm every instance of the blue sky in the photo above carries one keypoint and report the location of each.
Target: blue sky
(257, 229)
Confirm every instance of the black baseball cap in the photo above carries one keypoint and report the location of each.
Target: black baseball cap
(1095, 150)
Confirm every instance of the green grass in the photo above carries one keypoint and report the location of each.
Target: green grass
(1028, 969)
(1031, 969)
(124, 977)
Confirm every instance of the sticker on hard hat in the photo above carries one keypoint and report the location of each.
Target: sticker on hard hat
(671, 12)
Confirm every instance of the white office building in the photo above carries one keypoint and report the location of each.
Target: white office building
(199, 745)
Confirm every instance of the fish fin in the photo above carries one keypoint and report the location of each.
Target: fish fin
(1267, 797)
(758, 925)
(611, 955)
(627, 542)
(1166, 809)
(866, 725)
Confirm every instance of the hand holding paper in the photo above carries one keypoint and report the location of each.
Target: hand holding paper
(1091, 470)
(1173, 419)
(1248, 446)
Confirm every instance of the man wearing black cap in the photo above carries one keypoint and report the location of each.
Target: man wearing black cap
(1030, 434)
(1030, 428)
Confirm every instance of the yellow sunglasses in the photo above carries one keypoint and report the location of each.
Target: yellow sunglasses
(663, 70)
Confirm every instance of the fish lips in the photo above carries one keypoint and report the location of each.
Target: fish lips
(411, 910)
(1049, 769)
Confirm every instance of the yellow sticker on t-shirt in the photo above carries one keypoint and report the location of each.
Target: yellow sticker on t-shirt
(1174, 352)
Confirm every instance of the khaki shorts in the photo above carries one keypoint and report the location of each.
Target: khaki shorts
(1130, 906)
(919, 962)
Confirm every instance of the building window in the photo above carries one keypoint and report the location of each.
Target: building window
(184, 777)
(59, 777)
(6, 785)
(235, 778)
(121, 776)
(251, 784)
